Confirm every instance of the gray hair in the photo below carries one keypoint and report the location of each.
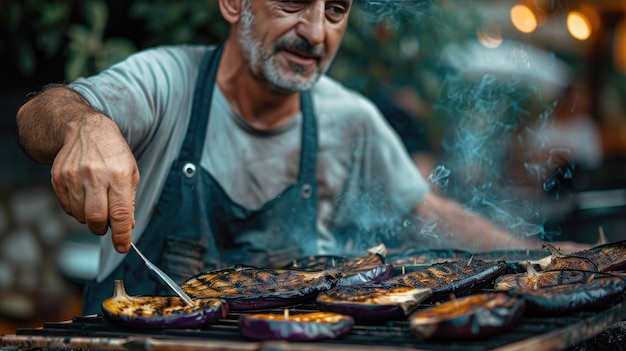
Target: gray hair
(247, 17)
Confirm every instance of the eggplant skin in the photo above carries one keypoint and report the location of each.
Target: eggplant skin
(370, 268)
(368, 303)
(538, 280)
(569, 298)
(162, 312)
(297, 327)
(316, 262)
(602, 258)
(251, 288)
(421, 257)
(460, 278)
(472, 317)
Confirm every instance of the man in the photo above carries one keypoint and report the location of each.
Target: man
(247, 153)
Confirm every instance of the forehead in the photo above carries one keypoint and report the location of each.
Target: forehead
(339, 2)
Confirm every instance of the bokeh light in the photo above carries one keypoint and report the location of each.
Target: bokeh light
(578, 25)
(523, 18)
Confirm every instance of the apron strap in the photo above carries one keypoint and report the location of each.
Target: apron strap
(308, 154)
(196, 131)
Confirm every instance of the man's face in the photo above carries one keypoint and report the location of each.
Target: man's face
(292, 43)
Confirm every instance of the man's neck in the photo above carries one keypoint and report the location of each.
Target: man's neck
(259, 103)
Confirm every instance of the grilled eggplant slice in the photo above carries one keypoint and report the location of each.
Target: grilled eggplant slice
(370, 268)
(160, 312)
(252, 288)
(514, 258)
(511, 255)
(533, 279)
(372, 302)
(602, 258)
(471, 317)
(424, 258)
(460, 278)
(568, 298)
(296, 327)
(316, 262)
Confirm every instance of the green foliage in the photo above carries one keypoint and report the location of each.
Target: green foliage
(177, 22)
(30, 27)
(88, 49)
(40, 29)
(78, 30)
(387, 42)
(394, 47)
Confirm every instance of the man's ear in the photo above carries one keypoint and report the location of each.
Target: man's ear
(231, 10)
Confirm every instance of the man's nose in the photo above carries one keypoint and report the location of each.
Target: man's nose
(312, 24)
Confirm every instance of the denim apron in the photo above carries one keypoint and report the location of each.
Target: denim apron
(197, 227)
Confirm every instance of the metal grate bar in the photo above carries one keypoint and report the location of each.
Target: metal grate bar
(537, 333)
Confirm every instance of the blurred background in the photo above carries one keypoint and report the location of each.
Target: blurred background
(515, 108)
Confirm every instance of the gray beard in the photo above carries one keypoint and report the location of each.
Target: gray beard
(263, 64)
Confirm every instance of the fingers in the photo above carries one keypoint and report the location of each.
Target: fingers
(96, 210)
(60, 189)
(99, 194)
(122, 219)
(95, 177)
(122, 212)
(70, 192)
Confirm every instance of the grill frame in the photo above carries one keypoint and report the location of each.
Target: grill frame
(530, 333)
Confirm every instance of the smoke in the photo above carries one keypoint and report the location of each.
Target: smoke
(487, 117)
(372, 218)
(439, 178)
(399, 11)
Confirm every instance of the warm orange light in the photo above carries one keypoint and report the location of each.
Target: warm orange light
(523, 18)
(578, 25)
(620, 46)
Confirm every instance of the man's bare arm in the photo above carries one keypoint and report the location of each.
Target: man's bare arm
(41, 121)
(474, 232)
(94, 172)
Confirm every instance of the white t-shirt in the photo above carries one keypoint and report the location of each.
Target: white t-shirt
(364, 175)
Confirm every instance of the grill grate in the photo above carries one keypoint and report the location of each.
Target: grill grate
(92, 332)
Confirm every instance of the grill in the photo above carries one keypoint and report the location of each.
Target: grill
(93, 333)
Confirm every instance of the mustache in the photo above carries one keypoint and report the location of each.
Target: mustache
(301, 45)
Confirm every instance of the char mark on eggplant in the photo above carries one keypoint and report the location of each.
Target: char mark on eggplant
(299, 327)
(471, 317)
(372, 302)
(533, 279)
(568, 298)
(602, 258)
(159, 312)
(427, 257)
(247, 280)
(369, 268)
(458, 277)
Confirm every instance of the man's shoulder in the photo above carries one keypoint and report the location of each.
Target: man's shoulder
(181, 53)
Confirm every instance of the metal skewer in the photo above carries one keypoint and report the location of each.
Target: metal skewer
(177, 289)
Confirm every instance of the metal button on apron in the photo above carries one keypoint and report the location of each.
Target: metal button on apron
(189, 169)
(306, 190)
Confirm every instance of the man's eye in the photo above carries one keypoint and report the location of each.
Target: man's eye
(293, 5)
(336, 13)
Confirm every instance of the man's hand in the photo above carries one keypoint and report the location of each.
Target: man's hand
(94, 172)
(95, 177)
